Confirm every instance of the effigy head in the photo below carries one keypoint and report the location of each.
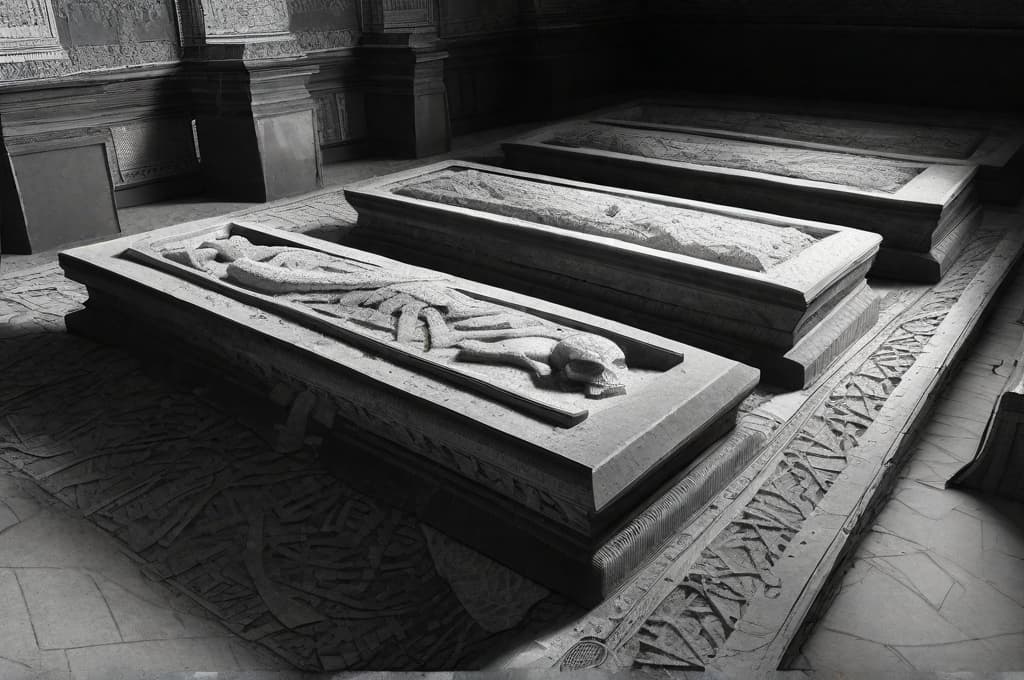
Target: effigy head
(592, 361)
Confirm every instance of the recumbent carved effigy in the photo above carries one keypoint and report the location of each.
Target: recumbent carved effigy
(547, 432)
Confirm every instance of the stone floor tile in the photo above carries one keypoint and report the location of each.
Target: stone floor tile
(956, 431)
(879, 542)
(1005, 573)
(23, 507)
(253, 657)
(933, 473)
(918, 572)
(1001, 534)
(801, 662)
(66, 608)
(53, 538)
(17, 641)
(963, 655)
(968, 420)
(1006, 652)
(16, 670)
(832, 650)
(979, 610)
(933, 446)
(933, 503)
(998, 344)
(1010, 510)
(8, 518)
(879, 608)
(53, 663)
(139, 618)
(46, 665)
(957, 536)
(131, 660)
(976, 387)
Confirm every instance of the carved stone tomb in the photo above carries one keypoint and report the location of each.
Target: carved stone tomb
(924, 211)
(994, 143)
(786, 295)
(532, 432)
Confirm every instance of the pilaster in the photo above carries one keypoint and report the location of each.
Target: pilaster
(255, 118)
(403, 57)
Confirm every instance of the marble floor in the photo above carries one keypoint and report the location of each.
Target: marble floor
(936, 585)
(938, 582)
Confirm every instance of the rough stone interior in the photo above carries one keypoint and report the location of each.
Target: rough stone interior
(872, 135)
(861, 172)
(704, 235)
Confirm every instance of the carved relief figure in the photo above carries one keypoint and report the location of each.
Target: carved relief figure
(418, 309)
(239, 18)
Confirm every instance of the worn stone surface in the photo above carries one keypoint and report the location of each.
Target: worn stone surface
(938, 582)
(103, 35)
(704, 235)
(67, 609)
(871, 135)
(871, 174)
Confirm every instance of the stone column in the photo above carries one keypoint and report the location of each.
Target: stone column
(403, 57)
(255, 118)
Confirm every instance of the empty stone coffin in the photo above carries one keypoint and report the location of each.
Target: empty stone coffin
(994, 143)
(924, 211)
(565, 445)
(786, 295)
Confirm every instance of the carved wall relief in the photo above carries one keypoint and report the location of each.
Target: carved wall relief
(28, 30)
(53, 38)
(324, 24)
(153, 149)
(229, 18)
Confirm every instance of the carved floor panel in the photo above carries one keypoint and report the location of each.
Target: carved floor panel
(329, 578)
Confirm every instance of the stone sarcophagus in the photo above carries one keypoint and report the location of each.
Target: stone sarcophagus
(924, 211)
(786, 295)
(995, 144)
(535, 433)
